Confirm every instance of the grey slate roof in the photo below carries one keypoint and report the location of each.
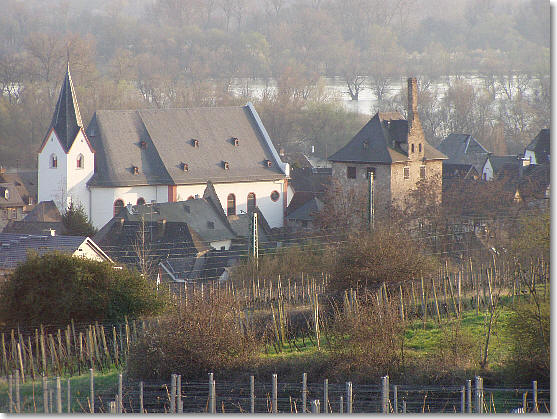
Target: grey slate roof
(44, 211)
(34, 227)
(167, 134)
(66, 120)
(505, 165)
(14, 247)
(463, 149)
(541, 146)
(307, 211)
(25, 182)
(382, 140)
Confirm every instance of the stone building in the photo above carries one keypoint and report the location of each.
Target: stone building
(396, 151)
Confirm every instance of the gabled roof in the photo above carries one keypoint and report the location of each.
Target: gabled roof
(505, 165)
(66, 120)
(463, 149)
(159, 141)
(541, 146)
(34, 227)
(384, 139)
(25, 182)
(9, 196)
(14, 247)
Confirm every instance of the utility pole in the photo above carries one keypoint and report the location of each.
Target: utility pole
(371, 215)
(254, 238)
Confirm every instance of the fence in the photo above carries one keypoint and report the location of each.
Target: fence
(54, 395)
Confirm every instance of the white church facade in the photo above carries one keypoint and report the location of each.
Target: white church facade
(160, 155)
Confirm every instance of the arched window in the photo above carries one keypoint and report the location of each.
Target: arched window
(412, 146)
(231, 205)
(80, 161)
(420, 147)
(251, 202)
(141, 201)
(53, 161)
(118, 205)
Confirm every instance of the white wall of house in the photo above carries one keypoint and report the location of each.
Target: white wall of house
(52, 180)
(487, 171)
(102, 199)
(86, 251)
(218, 245)
(529, 156)
(77, 190)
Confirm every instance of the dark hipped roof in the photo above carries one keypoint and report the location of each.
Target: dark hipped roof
(463, 149)
(541, 146)
(380, 140)
(167, 136)
(505, 165)
(44, 211)
(34, 227)
(66, 120)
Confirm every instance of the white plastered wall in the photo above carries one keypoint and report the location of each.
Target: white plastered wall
(52, 181)
(487, 171)
(77, 189)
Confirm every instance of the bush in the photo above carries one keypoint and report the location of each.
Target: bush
(366, 341)
(76, 222)
(385, 255)
(206, 336)
(529, 328)
(55, 288)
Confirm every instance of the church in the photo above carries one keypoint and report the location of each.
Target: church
(160, 155)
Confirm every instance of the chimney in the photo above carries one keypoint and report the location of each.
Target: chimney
(412, 101)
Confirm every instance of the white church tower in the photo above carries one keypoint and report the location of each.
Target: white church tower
(66, 159)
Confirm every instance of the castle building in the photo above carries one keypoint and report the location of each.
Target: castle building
(395, 150)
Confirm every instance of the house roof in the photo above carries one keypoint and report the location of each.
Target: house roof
(159, 141)
(25, 182)
(541, 146)
(307, 211)
(463, 170)
(9, 196)
(463, 149)
(534, 181)
(382, 140)
(44, 211)
(14, 247)
(66, 120)
(34, 227)
(505, 165)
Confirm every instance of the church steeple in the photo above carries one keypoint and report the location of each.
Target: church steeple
(66, 120)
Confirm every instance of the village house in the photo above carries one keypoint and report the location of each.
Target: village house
(160, 155)
(395, 150)
(538, 151)
(466, 156)
(502, 166)
(44, 218)
(14, 248)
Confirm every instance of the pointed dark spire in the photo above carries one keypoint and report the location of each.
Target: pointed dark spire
(66, 120)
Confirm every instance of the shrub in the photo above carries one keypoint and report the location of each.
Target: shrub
(367, 260)
(206, 336)
(366, 340)
(529, 328)
(76, 222)
(55, 288)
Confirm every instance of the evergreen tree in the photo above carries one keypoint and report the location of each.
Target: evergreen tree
(76, 222)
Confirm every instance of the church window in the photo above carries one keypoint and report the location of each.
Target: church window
(118, 205)
(420, 147)
(422, 172)
(80, 161)
(406, 173)
(140, 201)
(231, 205)
(251, 202)
(53, 161)
(351, 172)
(275, 196)
(412, 147)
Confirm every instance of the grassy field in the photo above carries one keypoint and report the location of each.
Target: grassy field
(32, 393)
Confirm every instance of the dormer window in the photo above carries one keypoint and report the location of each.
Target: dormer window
(143, 144)
(135, 170)
(6, 194)
(53, 161)
(187, 207)
(268, 163)
(365, 144)
(210, 225)
(195, 143)
(79, 163)
(225, 165)
(235, 141)
(184, 167)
